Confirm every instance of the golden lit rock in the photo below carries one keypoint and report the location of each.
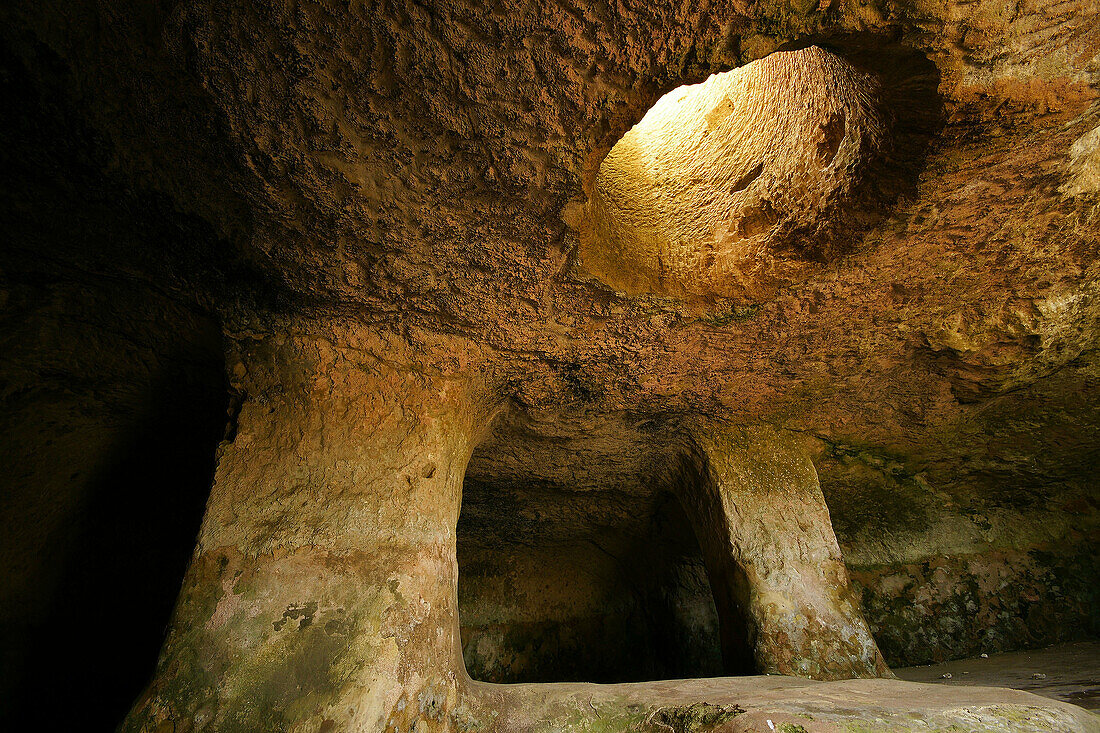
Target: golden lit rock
(372, 366)
(733, 186)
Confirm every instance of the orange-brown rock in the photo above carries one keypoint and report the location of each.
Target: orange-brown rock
(802, 359)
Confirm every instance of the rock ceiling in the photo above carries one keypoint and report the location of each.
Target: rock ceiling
(429, 171)
(864, 233)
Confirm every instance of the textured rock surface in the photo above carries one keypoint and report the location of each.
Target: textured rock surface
(766, 530)
(327, 595)
(390, 213)
(784, 704)
(723, 187)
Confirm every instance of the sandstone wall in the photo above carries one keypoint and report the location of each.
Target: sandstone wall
(388, 211)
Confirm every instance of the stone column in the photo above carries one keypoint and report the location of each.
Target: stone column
(779, 580)
(322, 592)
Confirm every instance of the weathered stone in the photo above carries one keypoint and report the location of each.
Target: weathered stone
(728, 188)
(406, 221)
(767, 535)
(323, 584)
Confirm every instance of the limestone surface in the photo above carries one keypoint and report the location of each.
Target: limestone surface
(774, 322)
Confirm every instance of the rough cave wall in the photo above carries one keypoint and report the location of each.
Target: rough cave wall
(940, 573)
(113, 399)
(959, 554)
(964, 550)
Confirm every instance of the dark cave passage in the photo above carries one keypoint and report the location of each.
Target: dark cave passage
(599, 578)
(96, 563)
(543, 610)
(113, 400)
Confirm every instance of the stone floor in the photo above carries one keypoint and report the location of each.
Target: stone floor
(1003, 692)
(1067, 672)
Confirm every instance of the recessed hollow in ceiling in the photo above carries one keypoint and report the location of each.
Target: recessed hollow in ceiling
(732, 186)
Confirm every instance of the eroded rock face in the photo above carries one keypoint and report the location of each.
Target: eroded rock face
(388, 212)
(728, 187)
(768, 536)
(329, 595)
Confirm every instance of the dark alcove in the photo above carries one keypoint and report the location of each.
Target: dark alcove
(574, 565)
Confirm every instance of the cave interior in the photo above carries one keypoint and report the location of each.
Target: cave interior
(399, 366)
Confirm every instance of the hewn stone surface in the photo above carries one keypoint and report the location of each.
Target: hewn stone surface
(766, 530)
(783, 704)
(389, 210)
(329, 593)
(727, 188)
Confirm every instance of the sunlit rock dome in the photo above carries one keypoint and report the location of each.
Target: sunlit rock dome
(730, 186)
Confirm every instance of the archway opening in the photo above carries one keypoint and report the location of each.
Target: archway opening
(577, 562)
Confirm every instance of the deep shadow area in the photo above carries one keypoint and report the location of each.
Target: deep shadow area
(133, 539)
(623, 609)
(689, 477)
(594, 577)
(117, 558)
(113, 399)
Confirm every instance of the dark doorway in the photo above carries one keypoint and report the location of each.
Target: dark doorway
(599, 578)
